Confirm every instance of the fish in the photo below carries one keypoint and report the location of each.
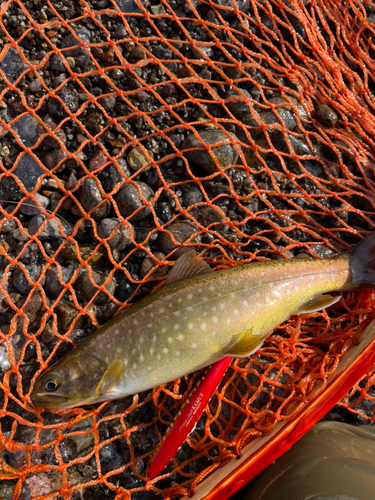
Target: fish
(196, 319)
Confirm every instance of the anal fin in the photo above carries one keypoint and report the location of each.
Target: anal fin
(317, 304)
(245, 345)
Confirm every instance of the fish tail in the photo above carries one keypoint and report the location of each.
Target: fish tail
(362, 263)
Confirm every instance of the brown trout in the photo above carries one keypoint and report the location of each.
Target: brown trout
(197, 318)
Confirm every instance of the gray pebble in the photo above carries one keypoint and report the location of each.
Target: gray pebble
(115, 172)
(50, 142)
(53, 284)
(224, 155)
(52, 228)
(192, 196)
(88, 289)
(236, 102)
(7, 225)
(53, 158)
(12, 65)
(31, 207)
(121, 237)
(26, 129)
(28, 171)
(20, 281)
(91, 197)
(129, 200)
(130, 6)
(227, 13)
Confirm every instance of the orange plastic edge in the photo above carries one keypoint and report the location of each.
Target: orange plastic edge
(261, 452)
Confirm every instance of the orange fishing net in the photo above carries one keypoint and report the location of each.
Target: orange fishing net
(131, 129)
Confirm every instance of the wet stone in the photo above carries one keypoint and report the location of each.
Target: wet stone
(242, 6)
(131, 6)
(54, 229)
(8, 225)
(34, 309)
(326, 115)
(239, 103)
(181, 231)
(81, 34)
(12, 65)
(97, 161)
(28, 171)
(36, 485)
(192, 196)
(108, 102)
(115, 173)
(20, 281)
(129, 200)
(90, 253)
(50, 142)
(149, 263)
(54, 284)
(88, 289)
(53, 158)
(68, 99)
(66, 313)
(121, 233)
(137, 159)
(209, 160)
(91, 197)
(31, 207)
(26, 129)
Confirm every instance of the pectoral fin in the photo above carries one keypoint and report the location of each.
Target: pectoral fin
(317, 303)
(111, 378)
(245, 345)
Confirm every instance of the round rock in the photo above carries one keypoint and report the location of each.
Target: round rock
(215, 157)
(181, 232)
(54, 229)
(54, 284)
(129, 199)
(88, 288)
(119, 234)
(91, 197)
(326, 115)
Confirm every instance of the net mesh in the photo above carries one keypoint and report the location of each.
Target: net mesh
(132, 129)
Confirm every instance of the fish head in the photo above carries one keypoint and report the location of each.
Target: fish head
(71, 382)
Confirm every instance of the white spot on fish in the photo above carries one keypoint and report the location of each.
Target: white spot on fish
(134, 350)
(162, 310)
(176, 326)
(215, 319)
(245, 303)
(194, 346)
(203, 326)
(177, 353)
(232, 295)
(256, 294)
(141, 339)
(158, 357)
(125, 362)
(190, 296)
(135, 322)
(190, 308)
(165, 350)
(191, 326)
(154, 338)
(149, 368)
(170, 340)
(179, 300)
(152, 350)
(164, 329)
(134, 366)
(222, 305)
(205, 298)
(204, 313)
(176, 313)
(180, 336)
(212, 288)
(236, 311)
(228, 321)
(141, 358)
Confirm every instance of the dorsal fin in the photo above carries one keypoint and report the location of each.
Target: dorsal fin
(187, 266)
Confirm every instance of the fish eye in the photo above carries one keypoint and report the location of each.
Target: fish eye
(51, 384)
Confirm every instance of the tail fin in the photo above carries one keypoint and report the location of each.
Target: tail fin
(362, 263)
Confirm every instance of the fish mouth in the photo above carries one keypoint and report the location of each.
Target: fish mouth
(48, 401)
